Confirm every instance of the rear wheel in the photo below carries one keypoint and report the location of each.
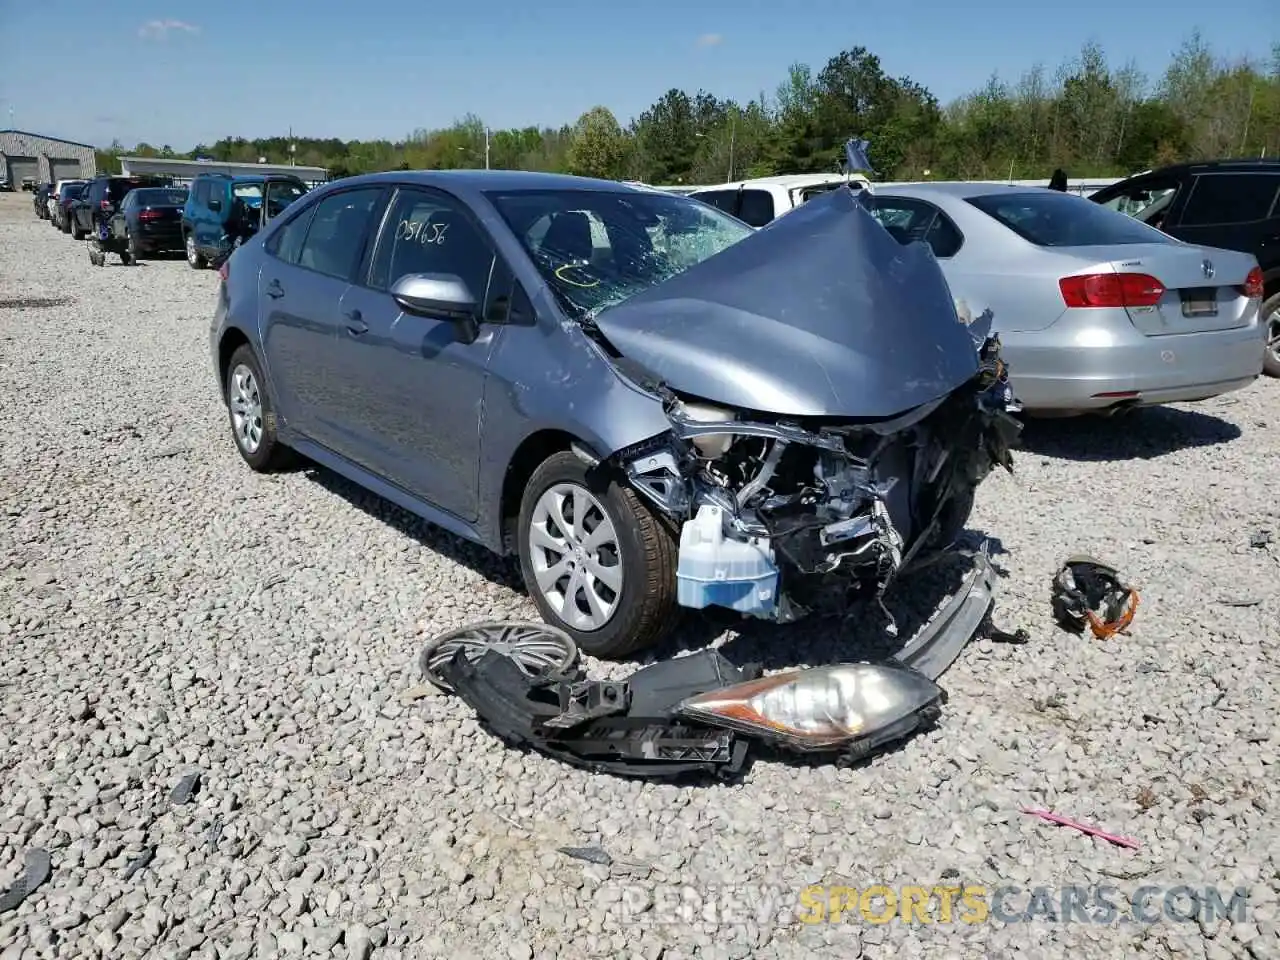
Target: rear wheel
(252, 414)
(1271, 323)
(131, 244)
(194, 258)
(596, 561)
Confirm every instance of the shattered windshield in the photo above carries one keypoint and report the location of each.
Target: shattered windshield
(597, 248)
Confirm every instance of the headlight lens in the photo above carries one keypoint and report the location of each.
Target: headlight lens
(823, 707)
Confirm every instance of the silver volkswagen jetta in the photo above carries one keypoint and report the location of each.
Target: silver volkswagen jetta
(650, 403)
(1094, 309)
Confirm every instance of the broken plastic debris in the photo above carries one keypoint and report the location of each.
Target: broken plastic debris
(1086, 591)
(36, 871)
(186, 788)
(589, 854)
(140, 862)
(1082, 827)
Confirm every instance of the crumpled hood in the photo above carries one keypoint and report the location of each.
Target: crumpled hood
(819, 314)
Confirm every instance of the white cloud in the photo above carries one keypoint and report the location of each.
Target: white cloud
(710, 40)
(160, 29)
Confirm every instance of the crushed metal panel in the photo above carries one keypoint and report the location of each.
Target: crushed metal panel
(821, 313)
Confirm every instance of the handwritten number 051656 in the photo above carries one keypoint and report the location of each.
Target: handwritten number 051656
(420, 232)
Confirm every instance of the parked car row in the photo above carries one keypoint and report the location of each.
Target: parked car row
(653, 404)
(149, 215)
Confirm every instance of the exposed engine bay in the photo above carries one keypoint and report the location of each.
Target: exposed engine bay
(781, 516)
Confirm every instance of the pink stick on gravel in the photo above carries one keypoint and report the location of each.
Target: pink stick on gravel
(1083, 827)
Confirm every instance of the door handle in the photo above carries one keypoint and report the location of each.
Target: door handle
(355, 323)
(274, 290)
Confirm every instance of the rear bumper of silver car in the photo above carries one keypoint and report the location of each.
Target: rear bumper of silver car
(1051, 373)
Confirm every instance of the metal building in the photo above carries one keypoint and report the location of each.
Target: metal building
(184, 171)
(31, 157)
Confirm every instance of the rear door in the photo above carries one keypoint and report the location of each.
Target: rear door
(1235, 210)
(309, 267)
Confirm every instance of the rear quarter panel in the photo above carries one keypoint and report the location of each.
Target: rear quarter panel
(996, 270)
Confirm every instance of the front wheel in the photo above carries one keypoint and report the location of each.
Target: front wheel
(76, 232)
(596, 561)
(252, 414)
(194, 258)
(1271, 323)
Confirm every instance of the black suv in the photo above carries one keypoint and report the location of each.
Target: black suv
(1231, 204)
(102, 196)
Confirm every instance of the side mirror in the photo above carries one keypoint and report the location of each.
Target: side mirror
(215, 205)
(440, 295)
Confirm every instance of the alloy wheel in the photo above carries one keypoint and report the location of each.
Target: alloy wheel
(191, 249)
(576, 558)
(535, 648)
(245, 401)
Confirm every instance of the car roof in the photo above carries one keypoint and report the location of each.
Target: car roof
(961, 190)
(1240, 165)
(500, 180)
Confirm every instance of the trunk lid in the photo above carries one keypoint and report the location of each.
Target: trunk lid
(1203, 286)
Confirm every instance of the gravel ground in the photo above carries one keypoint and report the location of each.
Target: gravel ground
(164, 610)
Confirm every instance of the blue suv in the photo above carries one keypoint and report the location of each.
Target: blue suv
(223, 211)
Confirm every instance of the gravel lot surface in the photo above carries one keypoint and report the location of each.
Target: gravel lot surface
(164, 610)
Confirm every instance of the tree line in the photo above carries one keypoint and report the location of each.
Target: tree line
(1087, 117)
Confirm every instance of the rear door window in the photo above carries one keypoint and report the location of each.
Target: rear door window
(336, 236)
(1049, 218)
(1219, 199)
(756, 207)
(908, 220)
(724, 200)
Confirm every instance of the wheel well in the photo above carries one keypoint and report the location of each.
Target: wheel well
(231, 341)
(1270, 283)
(534, 449)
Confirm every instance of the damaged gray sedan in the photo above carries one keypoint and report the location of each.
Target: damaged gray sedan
(650, 403)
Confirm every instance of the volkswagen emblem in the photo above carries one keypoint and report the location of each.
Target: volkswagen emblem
(1207, 267)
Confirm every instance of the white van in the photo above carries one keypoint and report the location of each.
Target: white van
(764, 199)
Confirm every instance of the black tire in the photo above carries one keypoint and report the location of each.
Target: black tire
(135, 251)
(270, 454)
(65, 225)
(194, 258)
(646, 603)
(76, 232)
(1270, 316)
(127, 258)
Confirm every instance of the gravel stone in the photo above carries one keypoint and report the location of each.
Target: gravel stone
(166, 610)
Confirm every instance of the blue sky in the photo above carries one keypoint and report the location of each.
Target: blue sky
(143, 70)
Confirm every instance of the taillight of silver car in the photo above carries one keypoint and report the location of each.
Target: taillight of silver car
(1111, 290)
(1253, 284)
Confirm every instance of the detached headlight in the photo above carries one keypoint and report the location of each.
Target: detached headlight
(823, 708)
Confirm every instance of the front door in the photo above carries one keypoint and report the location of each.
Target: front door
(300, 288)
(421, 386)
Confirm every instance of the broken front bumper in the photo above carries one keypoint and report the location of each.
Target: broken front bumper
(635, 728)
(939, 643)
